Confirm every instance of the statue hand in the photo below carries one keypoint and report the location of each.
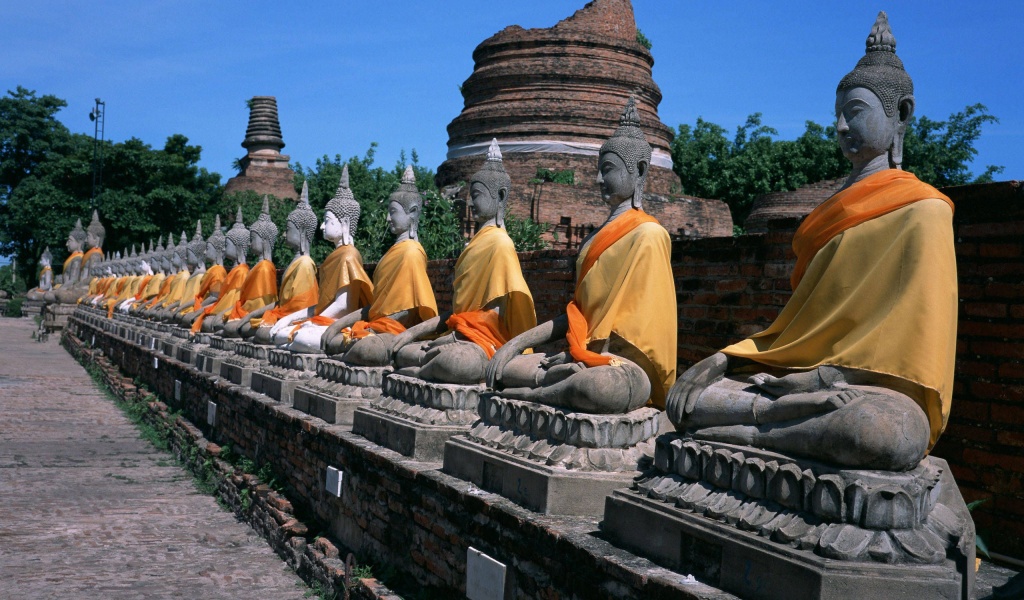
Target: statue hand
(496, 365)
(683, 396)
(444, 340)
(334, 329)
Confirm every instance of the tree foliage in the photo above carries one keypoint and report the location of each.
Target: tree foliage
(754, 162)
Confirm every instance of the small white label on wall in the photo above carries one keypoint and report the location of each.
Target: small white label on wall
(152, 343)
(485, 577)
(177, 390)
(211, 413)
(93, 342)
(156, 363)
(334, 479)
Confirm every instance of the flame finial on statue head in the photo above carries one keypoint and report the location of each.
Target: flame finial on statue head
(264, 226)
(343, 204)
(880, 70)
(217, 239)
(303, 217)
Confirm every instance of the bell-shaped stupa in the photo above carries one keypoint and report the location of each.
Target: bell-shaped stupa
(264, 169)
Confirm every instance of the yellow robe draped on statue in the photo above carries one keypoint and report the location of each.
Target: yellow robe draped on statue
(65, 270)
(91, 255)
(880, 296)
(211, 283)
(344, 267)
(400, 283)
(629, 292)
(259, 290)
(489, 269)
(176, 290)
(150, 291)
(127, 291)
(190, 290)
(299, 290)
(230, 291)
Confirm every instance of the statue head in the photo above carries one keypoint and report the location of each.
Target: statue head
(875, 101)
(76, 239)
(196, 250)
(623, 160)
(489, 188)
(263, 230)
(180, 253)
(46, 259)
(341, 217)
(157, 256)
(95, 233)
(405, 205)
(216, 242)
(237, 239)
(301, 223)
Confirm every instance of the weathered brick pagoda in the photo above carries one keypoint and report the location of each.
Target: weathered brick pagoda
(551, 97)
(264, 169)
(795, 204)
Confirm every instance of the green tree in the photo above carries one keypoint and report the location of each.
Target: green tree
(753, 162)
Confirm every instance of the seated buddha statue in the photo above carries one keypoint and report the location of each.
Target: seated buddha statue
(857, 370)
(144, 273)
(71, 273)
(621, 323)
(213, 278)
(128, 285)
(95, 233)
(260, 287)
(236, 248)
(344, 285)
(45, 277)
(402, 295)
(195, 262)
(491, 302)
(149, 291)
(175, 283)
(299, 291)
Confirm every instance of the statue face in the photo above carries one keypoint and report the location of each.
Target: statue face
(230, 249)
(333, 228)
(91, 240)
(482, 203)
(175, 261)
(292, 236)
(399, 219)
(255, 243)
(144, 265)
(863, 129)
(72, 244)
(617, 183)
(211, 252)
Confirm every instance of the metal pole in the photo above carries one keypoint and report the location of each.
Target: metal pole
(97, 116)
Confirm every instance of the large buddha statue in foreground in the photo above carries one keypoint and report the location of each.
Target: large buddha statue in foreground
(621, 324)
(402, 295)
(857, 370)
(491, 302)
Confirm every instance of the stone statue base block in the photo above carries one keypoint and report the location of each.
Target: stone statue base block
(55, 316)
(338, 389)
(32, 308)
(209, 360)
(416, 417)
(761, 525)
(248, 359)
(549, 460)
(285, 372)
(189, 351)
(416, 440)
(544, 489)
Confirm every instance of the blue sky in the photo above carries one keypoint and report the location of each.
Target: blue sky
(350, 73)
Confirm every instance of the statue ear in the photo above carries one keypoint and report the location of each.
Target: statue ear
(641, 168)
(906, 112)
(499, 219)
(906, 108)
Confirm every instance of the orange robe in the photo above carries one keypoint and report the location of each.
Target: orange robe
(400, 283)
(211, 283)
(230, 292)
(259, 290)
(299, 290)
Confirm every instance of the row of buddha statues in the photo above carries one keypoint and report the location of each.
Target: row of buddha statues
(856, 370)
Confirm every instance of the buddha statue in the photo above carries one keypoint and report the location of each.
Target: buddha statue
(95, 233)
(162, 263)
(236, 247)
(71, 273)
(177, 256)
(621, 323)
(491, 301)
(213, 278)
(144, 274)
(150, 291)
(297, 296)
(857, 370)
(260, 287)
(402, 294)
(195, 264)
(45, 277)
(345, 287)
(126, 285)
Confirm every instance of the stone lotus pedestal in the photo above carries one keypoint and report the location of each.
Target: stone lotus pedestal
(338, 389)
(285, 371)
(248, 358)
(188, 352)
(549, 460)
(209, 359)
(416, 417)
(762, 525)
(178, 337)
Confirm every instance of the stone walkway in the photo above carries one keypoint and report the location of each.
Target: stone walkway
(89, 510)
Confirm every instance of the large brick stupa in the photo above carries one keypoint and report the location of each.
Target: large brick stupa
(551, 97)
(264, 169)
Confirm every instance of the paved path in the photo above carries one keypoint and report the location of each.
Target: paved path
(89, 510)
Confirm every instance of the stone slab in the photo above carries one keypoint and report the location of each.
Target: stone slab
(751, 566)
(548, 490)
(281, 389)
(332, 409)
(238, 370)
(417, 440)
